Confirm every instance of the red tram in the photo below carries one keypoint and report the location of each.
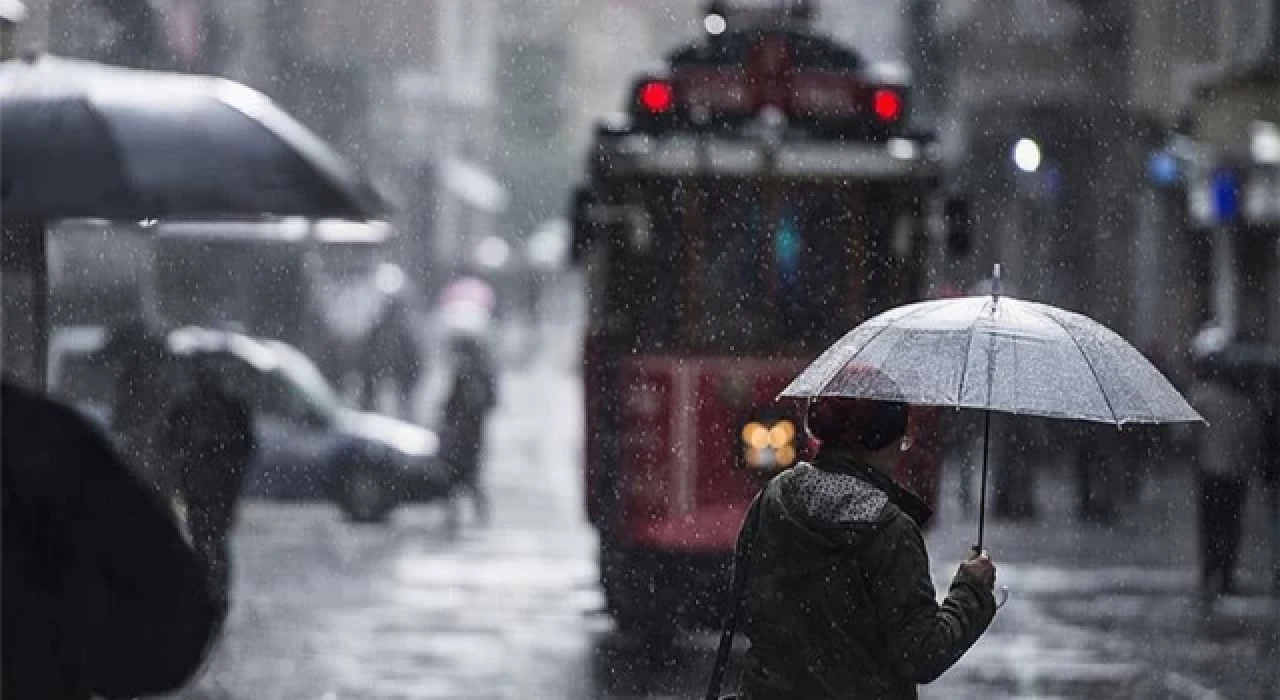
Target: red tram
(765, 196)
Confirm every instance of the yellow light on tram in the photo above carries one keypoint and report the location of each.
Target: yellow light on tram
(786, 456)
(781, 434)
(769, 446)
(755, 435)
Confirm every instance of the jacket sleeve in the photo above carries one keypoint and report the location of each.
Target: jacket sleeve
(922, 638)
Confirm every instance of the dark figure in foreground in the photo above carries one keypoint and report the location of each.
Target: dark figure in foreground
(102, 595)
(471, 398)
(1231, 448)
(209, 441)
(839, 600)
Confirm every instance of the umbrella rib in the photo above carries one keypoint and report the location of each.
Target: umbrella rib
(964, 370)
(836, 372)
(826, 384)
(1088, 363)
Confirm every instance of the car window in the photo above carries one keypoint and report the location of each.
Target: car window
(84, 378)
(282, 399)
(238, 378)
(305, 380)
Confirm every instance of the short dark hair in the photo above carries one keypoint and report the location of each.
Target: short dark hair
(858, 423)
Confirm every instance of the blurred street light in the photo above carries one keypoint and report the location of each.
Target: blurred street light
(548, 247)
(389, 279)
(492, 253)
(715, 24)
(1264, 142)
(1026, 155)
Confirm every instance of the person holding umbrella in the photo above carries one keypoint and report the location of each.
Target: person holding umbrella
(992, 354)
(842, 604)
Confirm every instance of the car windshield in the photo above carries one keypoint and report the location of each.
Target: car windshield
(301, 374)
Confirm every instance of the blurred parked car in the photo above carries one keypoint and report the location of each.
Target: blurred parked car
(311, 446)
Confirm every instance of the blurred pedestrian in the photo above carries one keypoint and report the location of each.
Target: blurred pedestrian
(839, 598)
(392, 353)
(472, 396)
(209, 440)
(12, 14)
(142, 363)
(102, 594)
(1231, 447)
(1100, 459)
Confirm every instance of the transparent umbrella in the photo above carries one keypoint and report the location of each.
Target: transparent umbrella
(995, 353)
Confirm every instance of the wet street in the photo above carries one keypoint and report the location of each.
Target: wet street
(328, 610)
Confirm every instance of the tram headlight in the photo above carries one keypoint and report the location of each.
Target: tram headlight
(782, 434)
(769, 445)
(755, 435)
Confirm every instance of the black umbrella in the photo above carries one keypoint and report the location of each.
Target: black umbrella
(84, 140)
(81, 139)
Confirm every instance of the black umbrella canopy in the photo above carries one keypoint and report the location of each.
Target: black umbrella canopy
(81, 139)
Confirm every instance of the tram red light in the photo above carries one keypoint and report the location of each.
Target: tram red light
(657, 96)
(887, 104)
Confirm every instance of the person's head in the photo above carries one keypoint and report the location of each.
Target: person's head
(874, 429)
(860, 425)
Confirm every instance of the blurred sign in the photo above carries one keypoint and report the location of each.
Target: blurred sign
(1226, 196)
(1225, 190)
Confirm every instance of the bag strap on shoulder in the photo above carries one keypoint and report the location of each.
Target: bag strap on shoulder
(737, 589)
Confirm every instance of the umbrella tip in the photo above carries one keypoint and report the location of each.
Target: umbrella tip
(995, 281)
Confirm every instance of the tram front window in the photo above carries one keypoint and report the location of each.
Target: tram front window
(769, 275)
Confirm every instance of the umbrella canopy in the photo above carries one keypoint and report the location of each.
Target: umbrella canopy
(997, 354)
(81, 139)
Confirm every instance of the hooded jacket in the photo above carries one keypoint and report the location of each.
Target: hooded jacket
(839, 602)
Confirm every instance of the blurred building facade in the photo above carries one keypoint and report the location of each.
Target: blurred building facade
(1095, 86)
(1233, 124)
(405, 88)
(474, 113)
(1123, 159)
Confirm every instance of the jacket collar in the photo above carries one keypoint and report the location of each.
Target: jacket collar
(836, 459)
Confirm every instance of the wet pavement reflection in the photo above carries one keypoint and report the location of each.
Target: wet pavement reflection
(331, 610)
